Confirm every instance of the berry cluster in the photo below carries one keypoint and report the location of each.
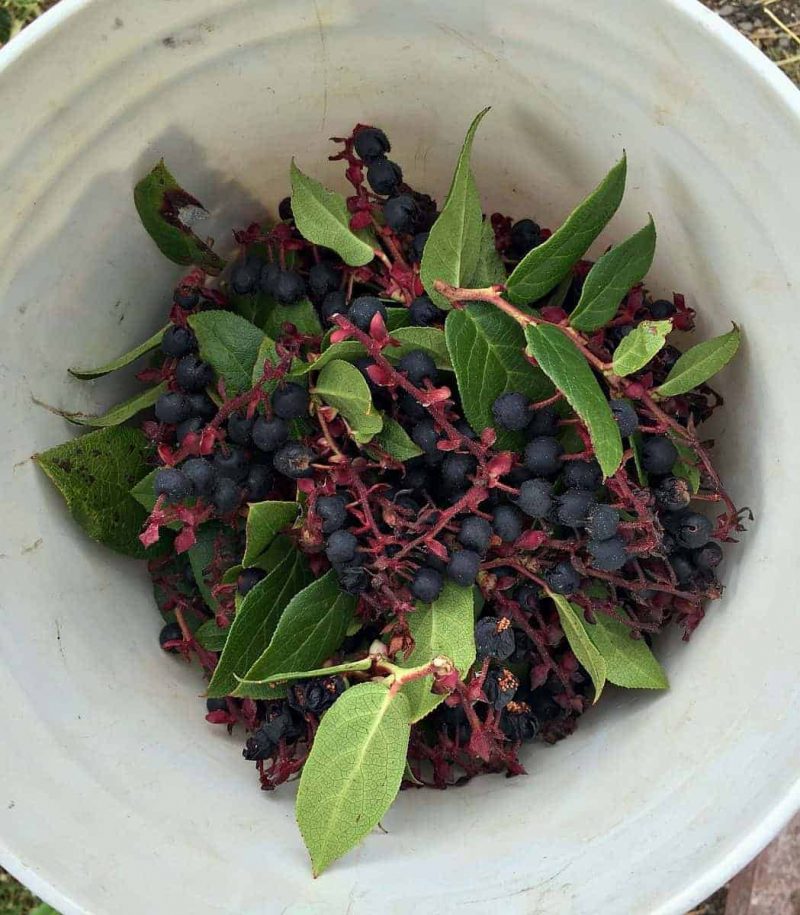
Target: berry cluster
(520, 525)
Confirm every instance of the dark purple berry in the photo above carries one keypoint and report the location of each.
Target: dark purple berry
(315, 696)
(427, 584)
(512, 411)
(418, 365)
(245, 277)
(354, 579)
(423, 312)
(425, 436)
(192, 426)
(543, 456)
(322, 279)
(463, 567)
(662, 309)
(267, 277)
(518, 722)
(258, 483)
(682, 567)
(672, 494)
(248, 580)
(544, 421)
(240, 429)
(456, 468)
(582, 475)
(400, 212)
(186, 298)
(371, 143)
(527, 597)
(563, 579)
(708, 557)
(173, 408)
(494, 638)
(618, 333)
(625, 415)
(525, 236)
(294, 460)
(173, 485)
(170, 633)
(384, 176)
(178, 341)
(602, 522)
(693, 531)
(341, 547)
(536, 498)
(475, 533)
(658, 454)
(290, 401)
(216, 705)
(203, 406)
(333, 512)
(288, 287)
(500, 687)
(574, 506)
(231, 463)
(285, 209)
(412, 408)
(226, 496)
(201, 473)
(270, 434)
(334, 303)
(363, 309)
(192, 374)
(507, 522)
(608, 555)
(418, 246)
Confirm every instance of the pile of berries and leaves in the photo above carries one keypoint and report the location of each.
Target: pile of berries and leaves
(412, 484)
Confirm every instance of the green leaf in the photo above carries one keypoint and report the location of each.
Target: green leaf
(216, 543)
(686, 467)
(346, 350)
(430, 339)
(444, 627)
(700, 363)
(544, 267)
(121, 361)
(144, 491)
(230, 344)
(166, 211)
(640, 346)
(489, 269)
(612, 278)
(486, 350)
(302, 315)
(353, 772)
(264, 521)
(453, 247)
(636, 447)
(95, 474)
(395, 441)
(582, 646)
(396, 318)
(266, 350)
(255, 621)
(322, 217)
(121, 412)
(342, 386)
(567, 368)
(629, 662)
(211, 636)
(278, 680)
(310, 629)
(44, 908)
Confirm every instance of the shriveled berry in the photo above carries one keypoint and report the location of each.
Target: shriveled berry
(512, 411)
(178, 341)
(173, 408)
(363, 309)
(231, 463)
(226, 496)
(192, 374)
(290, 401)
(573, 507)
(423, 312)
(536, 498)
(544, 421)
(518, 722)
(708, 557)
(173, 485)
(456, 468)
(527, 597)
(322, 279)
(658, 454)
(201, 473)
(499, 687)
(400, 212)
(475, 533)
(425, 436)
(418, 243)
(334, 303)
(608, 555)
(285, 209)
(682, 567)
(625, 415)
(494, 638)
(507, 522)
(602, 522)
(248, 579)
(427, 584)
(418, 365)
(525, 236)
(354, 579)
(244, 277)
(371, 143)
(258, 483)
(316, 695)
(294, 460)
(384, 176)
(543, 455)
(693, 531)
(341, 547)
(582, 475)
(170, 633)
(194, 425)
(563, 578)
(672, 494)
(662, 309)
(333, 512)
(203, 406)
(452, 722)
(270, 434)
(240, 429)
(463, 567)
(186, 298)
(288, 287)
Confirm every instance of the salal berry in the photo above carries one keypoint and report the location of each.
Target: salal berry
(248, 579)
(316, 695)
(216, 705)
(417, 366)
(353, 578)
(682, 567)
(240, 429)
(270, 434)
(178, 341)
(602, 522)
(411, 407)
(544, 421)
(423, 312)
(173, 408)
(288, 287)
(290, 401)
(384, 176)
(625, 416)
(426, 584)
(512, 411)
(226, 496)
(371, 144)
(582, 475)
(202, 405)
(662, 309)
(499, 687)
(658, 454)
(400, 212)
(543, 456)
(507, 522)
(463, 567)
(494, 638)
(194, 425)
(363, 309)
(418, 245)
(536, 498)
(231, 463)
(708, 557)
(173, 484)
(525, 236)
(456, 468)
(244, 277)
(608, 555)
(285, 209)
(518, 722)
(693, 531)
(475, 533)
(334, 303)
(527, 597)
(170, 633)
(187, 299)
(322, 279)
(341, 547)
(672, 494)
(202, 474)
(266, 280)
(424, 435)
(294, 460)
(333, 512)
(563, 578)
(192, 374)
(574, 507)
(258, 483)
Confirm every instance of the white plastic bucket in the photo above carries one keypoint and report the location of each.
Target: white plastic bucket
(116, 797)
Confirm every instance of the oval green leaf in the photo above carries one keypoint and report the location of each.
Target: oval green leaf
(700, 363)
(215, 543)
(122, 411)
(211, 636)
(121, 361)
(637, 349)
(583, 647)
(569, 371)
(395, 441)
(265, 520)
(430, 339)
(302, 315)
(279, 680)
(453, 247)
(322, 217)
(230, 344)
(544, 267)
(353, 772)
(612, 278)
(342, 386)
(629, 662)
(489, 269)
